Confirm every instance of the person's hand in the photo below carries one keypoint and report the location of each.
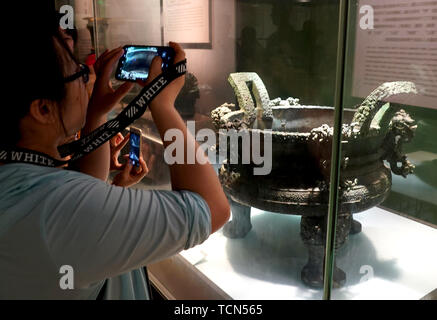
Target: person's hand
(91, 81)
(104, 97)
(117, 143)
(171, 91)
(130, 175)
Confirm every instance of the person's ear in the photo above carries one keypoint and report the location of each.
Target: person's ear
(43, 111)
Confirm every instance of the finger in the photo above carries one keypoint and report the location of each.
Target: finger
(120, 166)
(137, 169)
(117, 165)
(109, 62)
(127, 169)
(115, 141)
(141, 173)
(98, 62)
(123, 90)
(108, 54)
(123, 143)
(180, 53)
(144, 167)
(119, 137)
(104, 53)
(155, 69)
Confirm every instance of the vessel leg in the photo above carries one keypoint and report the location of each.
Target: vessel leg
(313, 234)
(355, 227)
(240, 224)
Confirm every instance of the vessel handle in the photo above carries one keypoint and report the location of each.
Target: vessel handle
(371, 106)
(252, 95)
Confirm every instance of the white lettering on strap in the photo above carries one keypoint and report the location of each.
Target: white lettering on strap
(141, 102)
(28, 157)
(149, 94)
(17, 155)
(181, 68)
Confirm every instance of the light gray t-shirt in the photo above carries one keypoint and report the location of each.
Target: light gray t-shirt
(52, 217)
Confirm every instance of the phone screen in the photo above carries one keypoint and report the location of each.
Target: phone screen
(136, 60)
(134, 153)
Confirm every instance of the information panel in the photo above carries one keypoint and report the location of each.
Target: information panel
(187, 22)
(397, 40)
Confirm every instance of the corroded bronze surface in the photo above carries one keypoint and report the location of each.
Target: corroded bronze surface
(301, 155)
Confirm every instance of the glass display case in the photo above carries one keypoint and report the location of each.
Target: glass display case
(394, 57)
(339, 98)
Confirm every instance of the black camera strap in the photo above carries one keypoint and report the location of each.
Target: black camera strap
(102, 134)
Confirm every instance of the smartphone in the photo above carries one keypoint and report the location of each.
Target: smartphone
(136, 60)
(135, 141)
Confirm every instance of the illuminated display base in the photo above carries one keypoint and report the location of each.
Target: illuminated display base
(267, 263)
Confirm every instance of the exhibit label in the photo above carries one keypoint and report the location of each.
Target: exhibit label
(400, 44)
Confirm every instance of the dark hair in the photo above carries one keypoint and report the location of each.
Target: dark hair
(37, 68)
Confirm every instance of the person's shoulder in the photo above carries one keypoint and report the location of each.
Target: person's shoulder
(19, 173)
(24, 184)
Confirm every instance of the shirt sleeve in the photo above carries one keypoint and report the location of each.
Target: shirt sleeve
(103, 230)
